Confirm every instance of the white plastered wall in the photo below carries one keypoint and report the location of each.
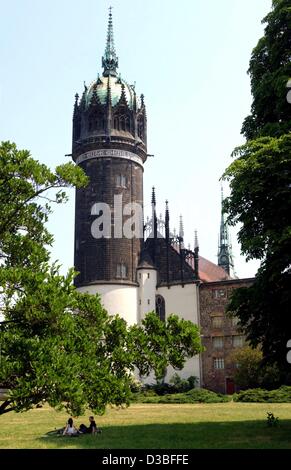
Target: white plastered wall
(147, 279)
(183, 301)
(117, 299)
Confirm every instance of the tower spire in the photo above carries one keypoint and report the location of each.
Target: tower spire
(225, 259)
(110, 59)
(181, 231)
(196, 243)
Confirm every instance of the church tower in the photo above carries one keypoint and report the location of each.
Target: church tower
(110, 145)
(225, 259)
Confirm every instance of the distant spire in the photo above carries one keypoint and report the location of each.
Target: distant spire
(167, 221)
(225, 258)
(181, 231)
(76, 103)
(196, 243)
(154, 215)
(110, 59)
(196, 255)
(153, 196)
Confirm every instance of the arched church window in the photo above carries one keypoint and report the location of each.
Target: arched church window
(161, 307)
(121, 271)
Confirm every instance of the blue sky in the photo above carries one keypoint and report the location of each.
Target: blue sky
(189, 58)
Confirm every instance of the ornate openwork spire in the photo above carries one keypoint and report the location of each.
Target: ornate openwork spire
(225, 258)
(110, 59)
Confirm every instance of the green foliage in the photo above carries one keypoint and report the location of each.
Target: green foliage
(196, 395)
(180, 385)
(150, 344)
(259, 395)
(270, 69)
(58, 345)
(251, 371)
(260, 199)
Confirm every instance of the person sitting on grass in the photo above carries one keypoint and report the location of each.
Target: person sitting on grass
(92, 429)
(70, 429)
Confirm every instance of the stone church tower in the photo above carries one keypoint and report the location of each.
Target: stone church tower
(110, 145)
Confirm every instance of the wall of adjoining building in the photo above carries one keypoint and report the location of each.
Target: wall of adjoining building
(220, 335)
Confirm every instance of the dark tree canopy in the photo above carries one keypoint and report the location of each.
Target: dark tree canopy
(260, 199)
(270, 69)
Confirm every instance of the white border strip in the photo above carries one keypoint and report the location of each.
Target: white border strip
(105, 153)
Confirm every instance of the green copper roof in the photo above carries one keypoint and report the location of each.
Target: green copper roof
(115, 86)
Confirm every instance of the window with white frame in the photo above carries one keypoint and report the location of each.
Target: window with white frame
(216, 322)
(237, 341)
(217, 342)
(219, 293)
(218, 363)
(121, 271)
(121, 181)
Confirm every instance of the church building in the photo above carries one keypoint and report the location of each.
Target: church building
(148, 268)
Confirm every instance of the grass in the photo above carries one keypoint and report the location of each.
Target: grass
(153, 426)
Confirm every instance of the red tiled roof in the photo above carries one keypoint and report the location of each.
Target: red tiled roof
(210, 272)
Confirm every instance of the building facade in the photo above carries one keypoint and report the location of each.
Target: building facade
(220, 335)
(138, 266)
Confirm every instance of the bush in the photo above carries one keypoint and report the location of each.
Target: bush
(183, 385)
(195, 395)
(259, 395)
(202, 395)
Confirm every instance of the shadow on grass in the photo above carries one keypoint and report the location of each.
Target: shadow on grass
(201, 435)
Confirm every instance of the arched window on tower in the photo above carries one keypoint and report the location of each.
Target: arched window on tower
(161, 307)
(122, 123)
(116, 122)
(121, 271)
(127, 123)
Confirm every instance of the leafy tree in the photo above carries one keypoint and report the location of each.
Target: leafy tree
(260, 199)
(250, 373)
(270, 69)
(56, 344)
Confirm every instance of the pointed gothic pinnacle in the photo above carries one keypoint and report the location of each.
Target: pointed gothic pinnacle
(153, 196)
(167, 213)
(181, 227)
(123, 95)
(110, 59)
(196, 243)
(76, 103)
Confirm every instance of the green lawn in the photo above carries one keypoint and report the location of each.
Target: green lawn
(148, 426)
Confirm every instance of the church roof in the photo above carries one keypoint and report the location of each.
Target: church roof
(210, 272)
(114, 87)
